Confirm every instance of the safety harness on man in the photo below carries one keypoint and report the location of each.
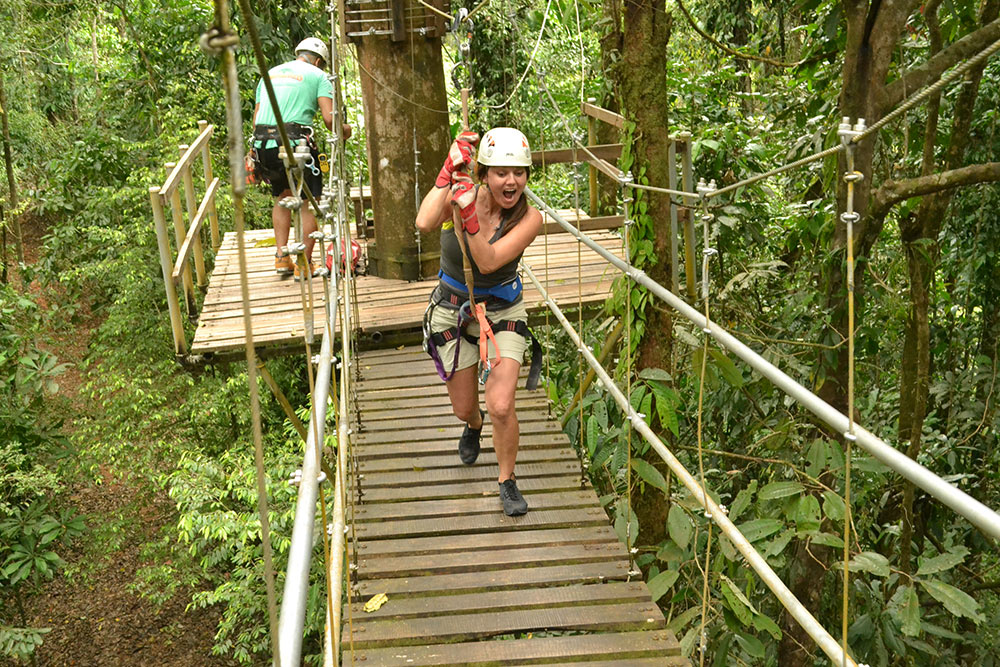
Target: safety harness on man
(450, 294)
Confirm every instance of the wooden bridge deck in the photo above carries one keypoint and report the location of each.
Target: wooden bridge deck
(467, 584)
(387, 307)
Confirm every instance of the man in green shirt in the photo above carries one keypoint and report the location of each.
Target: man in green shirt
(301, 88)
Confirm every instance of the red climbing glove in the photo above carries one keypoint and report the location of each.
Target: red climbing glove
(459, 155)
(463, 196)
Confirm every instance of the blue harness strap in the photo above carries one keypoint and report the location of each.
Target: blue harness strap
(508, 291)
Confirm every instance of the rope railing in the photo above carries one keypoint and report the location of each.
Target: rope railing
(715, 512)
(981, 516)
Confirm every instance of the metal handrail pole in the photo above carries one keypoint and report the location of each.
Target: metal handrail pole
(981, 516)
(713, 511)
(293, 599)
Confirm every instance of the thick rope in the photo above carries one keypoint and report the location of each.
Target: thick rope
(222, 32)
(629, 222)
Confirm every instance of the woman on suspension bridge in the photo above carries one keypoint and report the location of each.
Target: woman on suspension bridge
(498, 224)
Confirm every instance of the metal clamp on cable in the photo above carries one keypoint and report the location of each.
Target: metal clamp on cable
(291, 202)
(849, 134)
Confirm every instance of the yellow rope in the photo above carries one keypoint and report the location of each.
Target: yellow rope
(222, 29)
(627, 227)
(707, 253)
(849, 217)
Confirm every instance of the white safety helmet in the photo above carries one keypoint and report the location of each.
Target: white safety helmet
(504, 147)
(313, 46)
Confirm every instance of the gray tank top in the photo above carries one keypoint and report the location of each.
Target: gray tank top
(451, 261)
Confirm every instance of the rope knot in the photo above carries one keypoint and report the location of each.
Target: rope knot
(214, 41)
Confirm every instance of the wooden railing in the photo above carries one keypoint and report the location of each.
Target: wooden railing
(187, 232)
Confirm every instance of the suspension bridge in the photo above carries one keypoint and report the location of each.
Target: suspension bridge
(421, 567)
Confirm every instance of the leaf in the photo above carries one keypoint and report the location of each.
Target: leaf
(655, 374)
(957, 602)
(730, 373)
(601, 413)
(753, 646)
(666, 405)
(945, 561)
(776, 490)
(593, 435)
(679, 526)
(778, 544)
(649, 474)
(680, 621)
(816, 457)
(737, 602)
(661, 583)
(827, 540)
(869, 561)
(833, 506)
(909, 612)
(758, 529)
(807, 514)
(765, 624)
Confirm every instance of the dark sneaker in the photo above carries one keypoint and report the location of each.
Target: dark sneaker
(468, 445)
(514, 503)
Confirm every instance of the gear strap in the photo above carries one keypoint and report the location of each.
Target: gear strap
(435, 340)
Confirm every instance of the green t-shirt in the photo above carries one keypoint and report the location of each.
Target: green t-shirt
(297, 87)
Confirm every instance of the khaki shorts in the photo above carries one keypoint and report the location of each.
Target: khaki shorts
(512, 345)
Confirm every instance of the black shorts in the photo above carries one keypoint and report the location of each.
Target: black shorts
(273, 171)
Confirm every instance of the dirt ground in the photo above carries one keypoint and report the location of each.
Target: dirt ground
(95, 619)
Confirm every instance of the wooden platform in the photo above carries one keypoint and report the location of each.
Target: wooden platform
(467, 584)
(386, 306)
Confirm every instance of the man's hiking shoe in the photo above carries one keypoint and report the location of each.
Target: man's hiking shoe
(468, 445)
(312, 270)
(284, 264)
(514, 503)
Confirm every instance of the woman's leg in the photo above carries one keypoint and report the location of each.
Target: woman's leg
(463, 390)
(500, 389)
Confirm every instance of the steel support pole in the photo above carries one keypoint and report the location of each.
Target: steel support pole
(981, 516)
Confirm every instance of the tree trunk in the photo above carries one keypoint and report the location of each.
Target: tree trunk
(611, 54)
(11, 183)
(872, 33)
(394, 122)
(644, 103)
(920, 239)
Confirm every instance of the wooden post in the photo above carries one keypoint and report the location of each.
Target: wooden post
(687, 176)
(672, 184)
(181, 233)
(206, 163)
(163, 243)
(192, 208)
(592, 170)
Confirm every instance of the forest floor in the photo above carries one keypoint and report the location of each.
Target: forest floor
(95, 616)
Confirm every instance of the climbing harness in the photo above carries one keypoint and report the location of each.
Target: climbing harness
(448, 295)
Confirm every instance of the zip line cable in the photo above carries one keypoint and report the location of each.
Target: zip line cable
(531, 60)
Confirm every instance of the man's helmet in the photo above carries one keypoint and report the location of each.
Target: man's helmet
(315, 47)
(504, 147)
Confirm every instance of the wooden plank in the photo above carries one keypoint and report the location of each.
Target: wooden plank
(195, 228)
(603, 114)
(413, 546)
(435, 447)
(174, 178)
(496, 522)
(450, 431)
(620, 646)
(531, 598)
(440, 408)
(423, 478)
(450, 459)
(494, 580)
(467, 627)
(491, 559)
(563, 155)
(466, 489)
